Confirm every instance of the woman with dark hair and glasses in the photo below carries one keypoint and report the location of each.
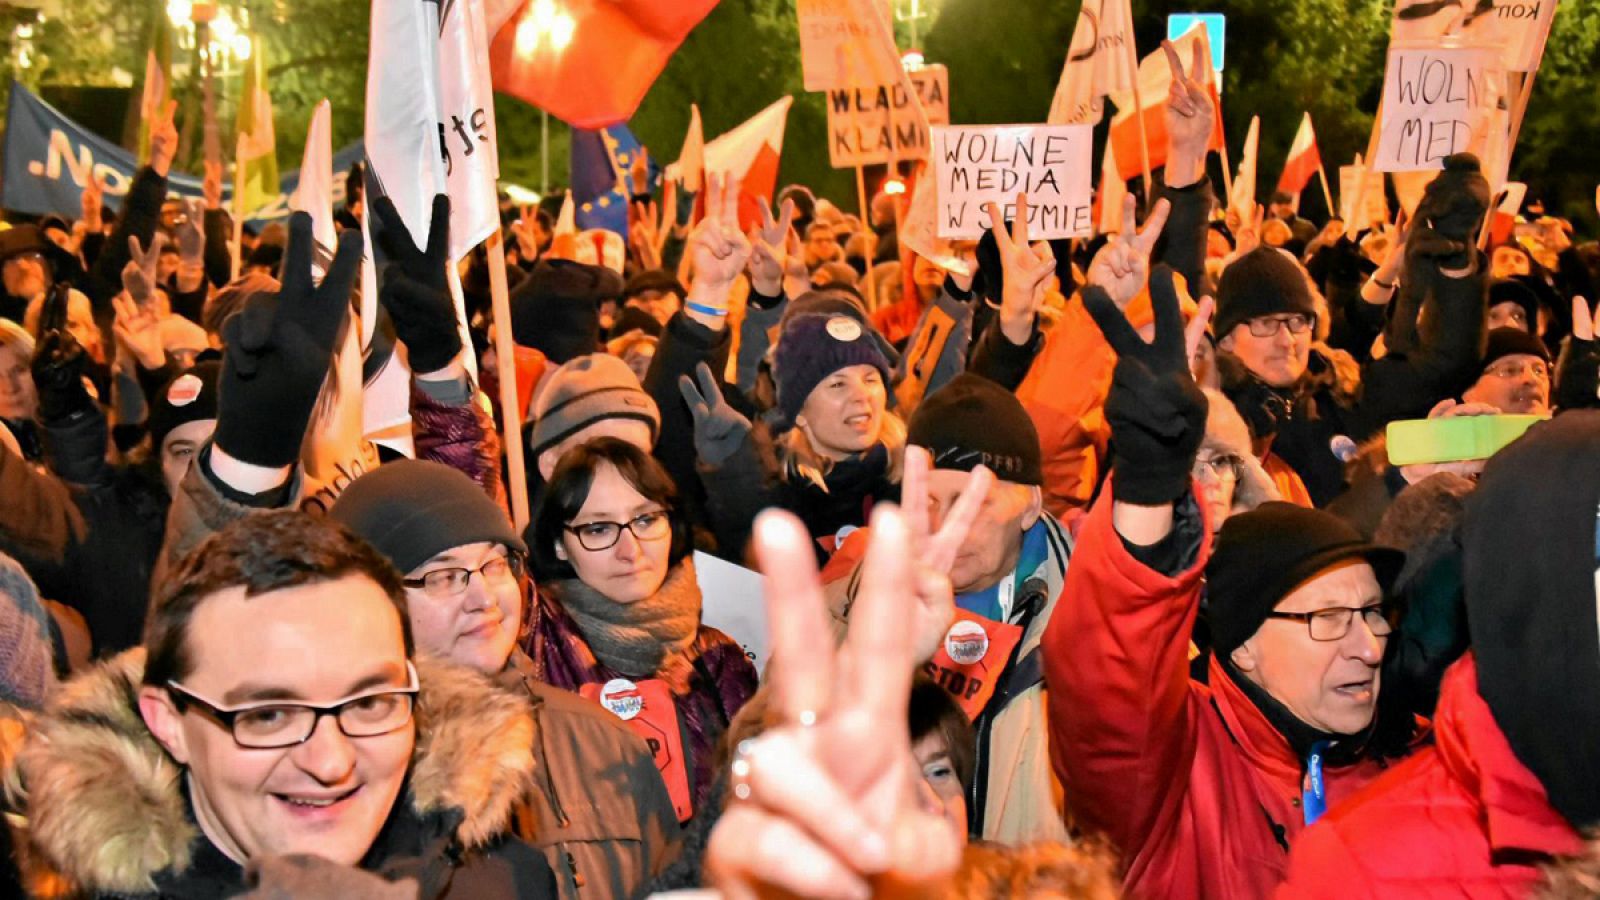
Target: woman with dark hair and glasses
(618, 611)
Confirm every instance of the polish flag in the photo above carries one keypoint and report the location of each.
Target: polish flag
(1242, 201)
(1155, 81)
(750, 153)
(691, 164)
(1304, 159)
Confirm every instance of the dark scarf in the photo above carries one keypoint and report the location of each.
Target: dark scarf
(635, 638)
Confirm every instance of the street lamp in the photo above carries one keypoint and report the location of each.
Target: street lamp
(545, 24)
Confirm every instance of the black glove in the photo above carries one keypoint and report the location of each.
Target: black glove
(1450, 213)
(719, 429)
(278, 349)
(1156, 411)
(58, 364)
(415, 291)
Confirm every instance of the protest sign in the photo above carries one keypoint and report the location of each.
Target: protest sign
(1435, 102)
(978, 165)
(1374, 203)
(733, 604)
(871, 125)
(1517, 28)
(845, 43)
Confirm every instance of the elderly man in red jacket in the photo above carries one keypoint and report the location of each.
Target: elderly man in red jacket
(1202, 788)
(1511, 780)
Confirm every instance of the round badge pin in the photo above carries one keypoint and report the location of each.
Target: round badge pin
(622, 697)
(844, 328)
(184, 390)
(966, 642)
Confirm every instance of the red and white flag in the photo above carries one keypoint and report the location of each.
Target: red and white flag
(1155, 80)
(691, 165)
(750, 153)
(1242, 200)
(1100, 61)
(1304, 159)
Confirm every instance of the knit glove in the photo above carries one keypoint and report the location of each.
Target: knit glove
(415, 291)
(191, 234)
(139, 274)
(719, 429)
(1156, 411)
(278, 350)
(1450, 212)
(58, 366)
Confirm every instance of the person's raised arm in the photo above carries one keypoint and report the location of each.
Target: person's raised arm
(719, 251)
(1190, 119)
(141, 214)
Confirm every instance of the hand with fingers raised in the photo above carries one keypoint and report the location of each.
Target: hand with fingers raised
(416, 291)
(1191, 117)
(769, 250)
(163, 139)
(1026, 268)
(719, 251)
(827, 802)
(1156, 411)
(191, 233)
(139, 274)
(138, 332)
(1122, 266)
(935, 552)
(58, 363)
(719, 429)
(277, 351)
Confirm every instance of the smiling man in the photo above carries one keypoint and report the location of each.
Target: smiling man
(276, 709)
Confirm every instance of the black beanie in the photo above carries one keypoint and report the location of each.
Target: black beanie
(1263, 282)
(1263, 555)
(556, 309)
(189, 397)
(653, 280)
(971, 422)
(1529, 542)
(632, 318)
(1514, 290)
(411, 510)
(1505, 342)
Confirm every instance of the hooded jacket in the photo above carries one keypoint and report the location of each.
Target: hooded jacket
(107, 808)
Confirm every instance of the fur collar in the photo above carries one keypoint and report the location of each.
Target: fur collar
(106, 805)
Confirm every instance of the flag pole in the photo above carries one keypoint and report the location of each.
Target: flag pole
(506, 370)
(238, 207)
(1227, 168)
(866, 219)
(1144, 137)
(1327, 195)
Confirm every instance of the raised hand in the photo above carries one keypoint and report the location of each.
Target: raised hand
(163, 139)
(826, 803)
(1246, 233)
(719, 429)
(935, 551)
(139, 275)
(191, 234)
(212, 184)
(1156, 411)
(1123, 265)
(1191, 117)
(416, 291)
(138, 332)
(92, 204)
(769, 250)
(527, 241)
(58, 363)
(1449, 214)
(1026, 269)
(719, 247)
(642, 234)
(278, 349)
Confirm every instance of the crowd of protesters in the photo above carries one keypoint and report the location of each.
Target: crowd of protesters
(1087, 570)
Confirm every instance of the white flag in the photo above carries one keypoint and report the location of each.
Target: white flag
(467, 128)
(1243, 199)
(1100, 60)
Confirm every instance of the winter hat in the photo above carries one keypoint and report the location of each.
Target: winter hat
(972, 421)
(556, 309)
(632, 318)
(838, 299)
(411, 510)
(653, 280)
(1263, 282)
(1505, 342)
(1529, 563)
(232, 297)
(27, 656)
(1263, 555)
(189, 397)
(20, 239)
(813, 346)
(268, 256)
(587, 390)
(1513, 290)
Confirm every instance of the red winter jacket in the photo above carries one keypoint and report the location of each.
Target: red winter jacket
(1463, 818)
(1193, 786)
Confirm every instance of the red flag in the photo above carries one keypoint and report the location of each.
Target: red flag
(1304, 159)
(1155, 80)
(589, 62)
(750, 153)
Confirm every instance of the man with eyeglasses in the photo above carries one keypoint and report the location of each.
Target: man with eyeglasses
(597, 807)
(276, 709)
(1516, 374)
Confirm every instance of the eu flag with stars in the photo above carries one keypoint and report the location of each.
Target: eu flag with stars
(601, 185)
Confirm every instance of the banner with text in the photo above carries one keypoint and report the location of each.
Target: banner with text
(845, 43)
(978, 165)
(1517, 28)
(1436, 101)
(868, 126)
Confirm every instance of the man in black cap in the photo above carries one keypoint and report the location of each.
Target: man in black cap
(1516, 374)
(599, 810)
(1202, 787)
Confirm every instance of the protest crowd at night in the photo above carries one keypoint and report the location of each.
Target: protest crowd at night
(1095, 506)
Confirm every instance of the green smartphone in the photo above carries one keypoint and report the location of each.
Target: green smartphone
(1454, 439)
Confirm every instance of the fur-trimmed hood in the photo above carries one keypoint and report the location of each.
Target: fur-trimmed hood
(105, 802)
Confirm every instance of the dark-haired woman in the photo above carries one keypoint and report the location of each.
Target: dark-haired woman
(618, 611)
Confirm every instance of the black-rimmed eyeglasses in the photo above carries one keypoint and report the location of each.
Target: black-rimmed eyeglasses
(1333, 623)
(275, 725)
(650, 526)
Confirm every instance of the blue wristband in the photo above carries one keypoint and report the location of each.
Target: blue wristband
(704, 310)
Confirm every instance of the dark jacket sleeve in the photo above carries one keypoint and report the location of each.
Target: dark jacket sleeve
(76, 448)
(219, 256)
(736, 490)
(761, 315)
(1183, 242)
(1434, 340)
(1578, 376)
(39, 522)
(994, 356)
(141, 213)
(189, 304)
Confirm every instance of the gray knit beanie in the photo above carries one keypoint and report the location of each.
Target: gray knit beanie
(587, 390)
(27, 659)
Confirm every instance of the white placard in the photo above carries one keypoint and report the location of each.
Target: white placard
(978, 165)
(732, 602)
(859, 119)
(1436, 101)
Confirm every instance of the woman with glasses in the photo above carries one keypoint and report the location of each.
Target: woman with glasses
(618, 611)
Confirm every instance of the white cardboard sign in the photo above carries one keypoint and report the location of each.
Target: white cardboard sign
(977, 165)
(860, 119)
(1436, 101)
(732, 602)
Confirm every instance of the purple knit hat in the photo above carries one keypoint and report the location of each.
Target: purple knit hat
(812, 347)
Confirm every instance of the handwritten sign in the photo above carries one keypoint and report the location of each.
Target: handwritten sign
(1435, 101)
(871, 125)
(978, 165)
(1517, 28)
(733, 604)
(844, 43)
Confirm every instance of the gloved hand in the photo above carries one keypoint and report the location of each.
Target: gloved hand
(139, 274)
(1450, 212)
(415, 290)
(57, 367)
(1156, 411)
(278, 349)
(719, 429)
(191, 234)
